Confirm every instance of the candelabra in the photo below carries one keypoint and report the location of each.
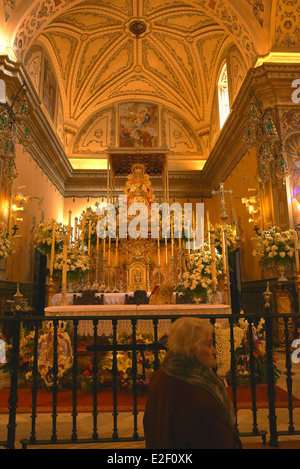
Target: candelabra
(103, 286)
(261, 133)
(12, 119)
(224, 217)
(115, 290)
(96, 283)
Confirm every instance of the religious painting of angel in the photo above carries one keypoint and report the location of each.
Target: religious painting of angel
(138, 125)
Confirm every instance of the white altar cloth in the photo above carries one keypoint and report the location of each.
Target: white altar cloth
(109, 298)
(85, 328)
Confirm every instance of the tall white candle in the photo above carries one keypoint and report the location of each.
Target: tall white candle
(64, 268)
(158, 252)
(52, 250)
(224, 253)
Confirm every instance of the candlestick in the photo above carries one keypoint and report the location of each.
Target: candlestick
(97, 242)
(52, 250)
(109, 246)
(117, 252)
(103, 242)
(166, 250)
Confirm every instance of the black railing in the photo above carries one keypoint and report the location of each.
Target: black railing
(14, 327)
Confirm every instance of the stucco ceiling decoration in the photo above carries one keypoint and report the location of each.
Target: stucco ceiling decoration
(105, 52)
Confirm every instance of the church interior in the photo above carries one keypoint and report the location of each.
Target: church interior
(192, 104)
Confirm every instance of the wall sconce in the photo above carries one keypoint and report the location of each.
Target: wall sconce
(261, 133)
(17, 206)
(12, 120)
(253, 206)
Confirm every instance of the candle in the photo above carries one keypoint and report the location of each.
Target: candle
(296, 250)
(75, 232)
(109, 245)
(213, 263)
(89, 238)
(224, 252)
(208, 228)
(64, 269)
(97, 242)
(172, 239)
(117, 241)
(52, 250)
(82, 230)
(158, 252)
(104, 241)
(69, 227)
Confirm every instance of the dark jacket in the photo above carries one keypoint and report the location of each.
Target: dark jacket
(179, 415)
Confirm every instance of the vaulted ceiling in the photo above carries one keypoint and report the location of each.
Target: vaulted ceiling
(102, 53)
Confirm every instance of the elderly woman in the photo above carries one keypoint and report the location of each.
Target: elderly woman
(188, 406)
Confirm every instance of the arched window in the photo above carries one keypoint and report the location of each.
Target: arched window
(223, 95)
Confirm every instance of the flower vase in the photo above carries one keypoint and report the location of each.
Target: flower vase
(198, 300)
(281, 270)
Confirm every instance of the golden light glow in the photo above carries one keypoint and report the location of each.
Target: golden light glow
(101, 164)
(88, 163)
(279, 57)
(6, 50)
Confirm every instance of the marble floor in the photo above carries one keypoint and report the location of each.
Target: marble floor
(125, 424)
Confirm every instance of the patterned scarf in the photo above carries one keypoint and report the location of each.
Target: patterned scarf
(195, 373)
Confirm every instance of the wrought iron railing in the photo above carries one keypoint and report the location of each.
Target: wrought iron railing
(14, 325)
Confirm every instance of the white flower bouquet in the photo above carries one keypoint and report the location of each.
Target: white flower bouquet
(275, 247)
(78, 264)
(197, 280)
(43, 236)
(6, 242)
(216, 233)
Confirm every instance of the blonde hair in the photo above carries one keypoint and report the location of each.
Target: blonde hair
(187, 333)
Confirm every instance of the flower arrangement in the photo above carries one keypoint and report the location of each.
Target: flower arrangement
(145, 363)
(45, 354)
(43, 236)
(242, 352)
(78, 264)
(216, 232)
(90, 215)
(275, 246)
(197, 280)
(6, 242)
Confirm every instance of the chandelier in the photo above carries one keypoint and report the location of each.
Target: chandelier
(261, 133)
(14, 126)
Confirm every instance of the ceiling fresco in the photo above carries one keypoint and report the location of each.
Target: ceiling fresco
(86, 58)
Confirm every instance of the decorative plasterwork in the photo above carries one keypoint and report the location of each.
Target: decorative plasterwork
(287, 25)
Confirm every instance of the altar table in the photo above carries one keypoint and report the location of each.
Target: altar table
(109, 298)
(85, 327)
